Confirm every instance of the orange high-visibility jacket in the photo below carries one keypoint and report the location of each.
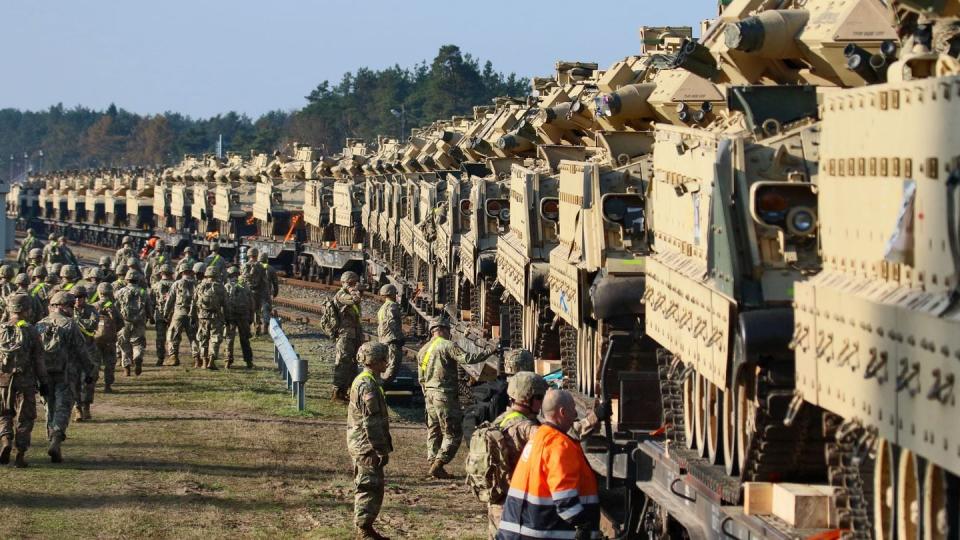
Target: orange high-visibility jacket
(553, 490)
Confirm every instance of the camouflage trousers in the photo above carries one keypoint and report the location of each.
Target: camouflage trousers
(209, 338)
(494, 512)
(18, 411)
(108, 359)
(444, 425)
(161, 327)
(131, 341)
(181, 324)
(60, 399)
(265, 309)
(345, 363)
(394, 359)
(81, 390)
(241, 328)
(369, 481)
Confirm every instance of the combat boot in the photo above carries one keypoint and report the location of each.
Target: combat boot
(21, 461)
(437, 471)
(56, 456)
(197, 362)
(107, 389)
(369, 533)
(229, 363)
(138, 369)
(336, 396)
(78, 415)
(126, 371)
(6, 446)
(159, 361)
(249, 364)
(86, 412)
(212, 365)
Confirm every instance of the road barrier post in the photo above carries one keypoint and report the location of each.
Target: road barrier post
(293, 369)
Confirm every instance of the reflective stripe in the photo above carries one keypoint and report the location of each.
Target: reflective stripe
(37, 289)
(357, 309)
(366, 375)
(520, 494)
(570, 512)
(565, 494)
(509, 417)
(68, 286)
(426, 357)
(84, 330)
(380, 314)
(590, 499)
(21, 323)
(108, 303)
(535, 533)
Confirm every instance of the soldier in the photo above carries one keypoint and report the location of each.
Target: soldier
(51, 252)
(216, 260)
(253, 274)
(34, 260)
(37, 276)
(7, 273)
(269, 291)
(69, 277)
(87, 318)
(157, 258)
(22, 284)
(23, 369)
(349, 336)
(43, 292)
(125, 251)
(159, 293)
(496, 400)
(237, 313)
(134, 305)
(65, 252)
(66, 357)
(106, 335)
(368, 438)
(390, 330)
(437, 364)
(120, 270)
(208, 308)
(106, 273)
(29, 243)
(188, 256)
(177, 310)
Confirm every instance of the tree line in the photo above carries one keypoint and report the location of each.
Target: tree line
(364, 104)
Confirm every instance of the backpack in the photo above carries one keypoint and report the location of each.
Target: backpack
(206, 300)
(131, 305)
(51, 340)
(106, 332)
(329, 317)
(13, 353)
(238, 301)
(487, 465)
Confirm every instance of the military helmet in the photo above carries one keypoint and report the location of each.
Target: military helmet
(105, 289)
(211, 271)
(133, 262)
(52, 237)
(21, 279)
(7, 271)
(30, 231)
(517, 360)
(62, 238)
(166, 268)
(439, 322)
(263, 257)
(19, 303)
(35, 253)
(388, 290)
(55, 268)
(39, 272)
(349, 276)
(253, 253)
(104, 261)
(188, 249)
(198, 268)
(126, 240)
(526, 385)
(51, 279)
(183, 267)
(69, 271)
(132, 275)
(371, 352)
(232, 271)
(79, 291)
(62, 298)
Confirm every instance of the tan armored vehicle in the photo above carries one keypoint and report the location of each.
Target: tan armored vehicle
(140, 201)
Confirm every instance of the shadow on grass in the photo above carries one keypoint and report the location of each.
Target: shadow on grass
(173, 502)
(241, 471)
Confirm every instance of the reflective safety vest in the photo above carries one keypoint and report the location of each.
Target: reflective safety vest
(552, 492)
(509, 417)
(383, 310)
(426, 356)
(367, 375)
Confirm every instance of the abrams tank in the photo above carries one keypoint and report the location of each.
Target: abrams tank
(278, 210)
(140, 201)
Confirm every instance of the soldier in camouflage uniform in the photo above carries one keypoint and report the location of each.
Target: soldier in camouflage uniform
(349, 335)
(43, 292)
(34, 312)
(208, 309)
(177, 310)
(368, 438)
(239, 307)
(21, 371)
(253, 273)
(7, 273)
(106, 337)
(216, 260)
(437, 364)
(188, 257)
(105, 272)
(87, 318)
(159, 293)
(135, 306)
(52, 253)
(35, 260)
(29, 243)
(69, 277)
(66, 252)
(65, 354)
(390, 330)
(120, 270)
(270, 289)
(125, 251)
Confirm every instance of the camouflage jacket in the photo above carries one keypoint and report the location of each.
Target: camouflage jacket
(437, 363)
(37, 311)
(64, 346)
(180, 299)
(125, 297)
(29, 243)
(65, 286)
(87, 319)
(368, 424)
(152, 268)
(389, 327)
(239, 302)
(211, 299)
(517, 427)
(253, 274)
(123, 254)
(108, 308)
(349, 304)
(34, 368)
(52, 254)
(159, 293)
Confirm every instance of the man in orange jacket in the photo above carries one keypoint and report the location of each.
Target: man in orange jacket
(553, 492)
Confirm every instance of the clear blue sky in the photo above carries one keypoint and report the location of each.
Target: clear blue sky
(203, 57)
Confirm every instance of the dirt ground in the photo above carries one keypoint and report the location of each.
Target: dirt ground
(185, 453)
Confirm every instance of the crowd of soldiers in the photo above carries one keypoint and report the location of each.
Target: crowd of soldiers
(61, 328)
(368, 428)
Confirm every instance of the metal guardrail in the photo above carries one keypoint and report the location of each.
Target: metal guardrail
(292, 368)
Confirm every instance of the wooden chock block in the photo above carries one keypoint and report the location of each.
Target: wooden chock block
(757, 498)
(805, 506)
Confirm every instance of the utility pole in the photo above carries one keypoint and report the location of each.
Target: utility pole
(402, 115)
(220, 146)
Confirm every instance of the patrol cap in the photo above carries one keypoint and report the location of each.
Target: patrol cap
(19, 303)
(525, 386)
(371, 352)
(388, 290)
(349, 276)
(517, 360)
(62, 298)
(439, 322)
